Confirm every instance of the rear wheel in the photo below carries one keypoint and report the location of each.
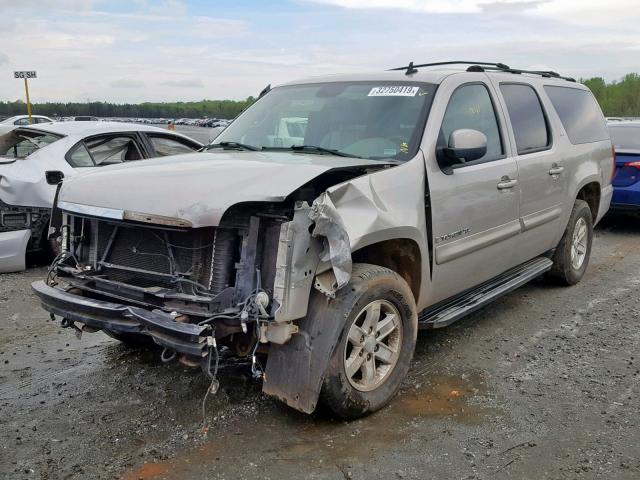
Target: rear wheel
(571, 257)
(377, 342)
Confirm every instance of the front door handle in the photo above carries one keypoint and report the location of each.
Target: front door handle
(507, 183)
(556, 169)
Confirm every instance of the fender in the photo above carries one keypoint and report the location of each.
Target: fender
(363, 211)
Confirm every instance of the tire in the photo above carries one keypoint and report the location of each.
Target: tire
(131, 339)
(373, 385)
(569, 260)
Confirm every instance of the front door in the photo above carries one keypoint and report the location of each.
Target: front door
(475, 206)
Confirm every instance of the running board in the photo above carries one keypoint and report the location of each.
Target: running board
(446, 312)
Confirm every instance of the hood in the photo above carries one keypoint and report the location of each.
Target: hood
(200, 187)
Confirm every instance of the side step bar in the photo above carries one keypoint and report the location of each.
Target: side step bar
(446, 312)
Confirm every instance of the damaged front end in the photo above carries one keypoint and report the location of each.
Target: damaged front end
(240, 285)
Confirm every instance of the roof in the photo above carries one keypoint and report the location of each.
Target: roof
(427, 76)
(85, 129)
(431, 75)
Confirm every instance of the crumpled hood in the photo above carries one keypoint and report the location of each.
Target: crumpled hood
(200, 187)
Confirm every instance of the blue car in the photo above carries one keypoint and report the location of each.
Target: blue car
(625, 137)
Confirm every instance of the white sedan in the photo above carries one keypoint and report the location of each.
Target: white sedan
(22, 121)
(35, 158)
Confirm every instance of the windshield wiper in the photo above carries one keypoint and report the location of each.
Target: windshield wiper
(236, 145)
(317, 149)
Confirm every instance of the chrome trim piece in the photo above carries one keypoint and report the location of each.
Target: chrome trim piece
(459, 248)
(91, 210)
(156, 219)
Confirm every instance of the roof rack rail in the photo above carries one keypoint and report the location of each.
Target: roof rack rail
(411, 68)
(481, 67)
(517, 71)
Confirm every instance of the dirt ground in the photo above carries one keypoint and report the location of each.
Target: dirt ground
(545, 383)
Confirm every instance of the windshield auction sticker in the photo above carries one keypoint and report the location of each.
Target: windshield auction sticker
(394, 91)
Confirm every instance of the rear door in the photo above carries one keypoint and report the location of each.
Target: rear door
(475, 206)
(541, 169)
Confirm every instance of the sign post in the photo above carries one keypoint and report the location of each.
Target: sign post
(26, 75)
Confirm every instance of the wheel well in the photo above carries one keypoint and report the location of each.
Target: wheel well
(400, 255)
(590, 193)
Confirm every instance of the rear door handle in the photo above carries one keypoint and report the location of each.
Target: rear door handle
(556, 169)
(507, 183)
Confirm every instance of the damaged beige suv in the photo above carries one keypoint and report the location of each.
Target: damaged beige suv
(334, 218)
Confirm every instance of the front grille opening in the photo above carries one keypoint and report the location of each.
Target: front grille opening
(151, 257)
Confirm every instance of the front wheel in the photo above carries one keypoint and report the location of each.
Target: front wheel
(571, 257)
(378, 338)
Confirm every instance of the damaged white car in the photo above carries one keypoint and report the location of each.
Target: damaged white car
(34, 159)
(331, 220)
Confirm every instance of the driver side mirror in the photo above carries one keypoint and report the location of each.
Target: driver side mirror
(465, 145)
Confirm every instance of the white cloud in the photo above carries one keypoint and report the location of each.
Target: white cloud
(47, 4)
(595, 13)
(186, 83)
(207, 27)
(3, 58)
(426, 6)
(127, 83)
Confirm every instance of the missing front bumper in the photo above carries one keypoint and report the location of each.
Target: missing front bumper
(184, 338)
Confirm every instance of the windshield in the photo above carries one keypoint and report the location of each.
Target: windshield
(373, 120)
(20, 143)
(625, 137)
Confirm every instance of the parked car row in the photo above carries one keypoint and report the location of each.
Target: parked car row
(326, 224)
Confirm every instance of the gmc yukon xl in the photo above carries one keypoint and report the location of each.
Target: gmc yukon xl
(403, 200)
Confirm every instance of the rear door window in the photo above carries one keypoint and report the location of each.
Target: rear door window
(165, 146)
(579, 113)
(112, 150)
(104, 150)
(471, 107)
(527, 117)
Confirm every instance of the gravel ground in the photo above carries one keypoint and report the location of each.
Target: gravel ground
(544, 383)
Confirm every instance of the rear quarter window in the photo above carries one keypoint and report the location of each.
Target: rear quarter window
(579, 113)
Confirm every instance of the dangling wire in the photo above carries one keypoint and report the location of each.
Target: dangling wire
(213, 375)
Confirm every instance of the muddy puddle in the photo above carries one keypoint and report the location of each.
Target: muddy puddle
(289, 439)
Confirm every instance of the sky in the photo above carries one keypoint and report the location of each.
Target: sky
(172, 50)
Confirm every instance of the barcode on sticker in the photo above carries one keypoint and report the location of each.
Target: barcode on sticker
(394, 91)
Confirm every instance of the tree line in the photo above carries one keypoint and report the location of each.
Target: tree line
(617, 99)
(202, 109)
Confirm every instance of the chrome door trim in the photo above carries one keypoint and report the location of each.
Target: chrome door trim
(472, 243)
